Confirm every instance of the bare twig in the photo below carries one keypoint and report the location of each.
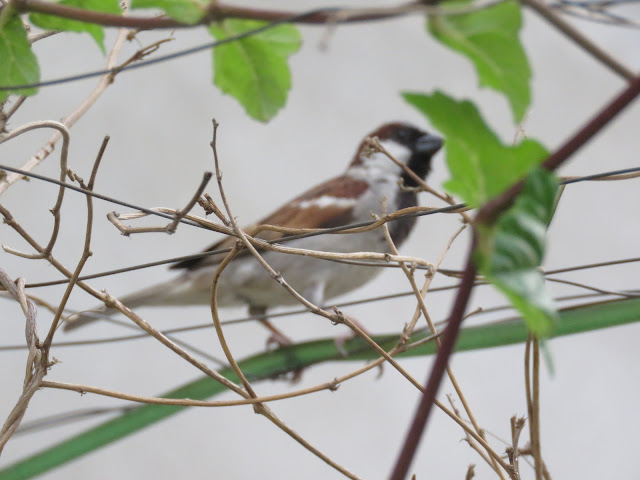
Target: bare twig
(258, 407)
(472, 443)
(114, 303)
(35, 369)
(186, 402)
(594, 289)
(352, 228)
(376, 145)
(488, 214)
(171, 227)
(342, 318)
(581, 40)
(86, 252)
(219, 12)
(470, 472)
(517, 424)
(36, 37)
(64, 132)
(5, 117)
(72, 118)
(534, 420)
(422, 307)
(210, 207)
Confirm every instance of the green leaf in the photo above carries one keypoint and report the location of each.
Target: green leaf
(186, 11)
(18, 64)
(268, 365)
(489, 38)
(254, 69)
(510, 252)
(51, 22)
(481, 166)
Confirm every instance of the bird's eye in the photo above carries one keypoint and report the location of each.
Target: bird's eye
(403, 134)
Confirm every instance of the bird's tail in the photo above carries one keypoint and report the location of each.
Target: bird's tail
(154, 295)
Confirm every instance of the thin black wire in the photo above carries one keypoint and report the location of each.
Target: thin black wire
(288, 313)
(595, 11)
(171, 56)
(282, 240)
(64, 419)
(55, 420)
(600, 175)
(99, 196)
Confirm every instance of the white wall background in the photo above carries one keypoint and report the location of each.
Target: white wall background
(159, 122)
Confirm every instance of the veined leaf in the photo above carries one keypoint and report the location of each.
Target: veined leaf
(489, 39)
(254, 69)
(18, 64)
(51, 22)
(481, 166)
(186, 11)
(511, 251)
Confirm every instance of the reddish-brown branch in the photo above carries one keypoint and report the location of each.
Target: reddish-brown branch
(488, 213)
(492, 208)
(215, 13)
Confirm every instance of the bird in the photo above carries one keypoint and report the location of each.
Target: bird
(355, 196)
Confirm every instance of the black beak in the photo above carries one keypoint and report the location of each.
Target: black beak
(429, 144)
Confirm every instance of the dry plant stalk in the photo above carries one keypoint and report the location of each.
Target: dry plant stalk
(64, 133)
(171, 227)
(517, 425)
(423, 307)
(10, 220)
(73, 117)
(35, 368)
(532, 388)
(337, 317)
(258, 407)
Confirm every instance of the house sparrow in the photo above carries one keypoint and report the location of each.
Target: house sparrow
(349, 198)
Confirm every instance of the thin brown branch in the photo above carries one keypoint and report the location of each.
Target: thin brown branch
(608, 178)
(186, 402)
(417, 211)
(218, 12)
(534, 422)
(342, 318)
(86, 253)
(594, 289)
(517, 425)
(422, 307)
(72, 118)
(437, 372)
(259, 408)
(210, 207)
(33, 38)
(64, 132)
(114, 303)
(376, 145)
(581, 40)
(471, 472)
(488, 214)
(35, 370)
(592, 265)
(472, 443)
(170, 228)
(6, 116)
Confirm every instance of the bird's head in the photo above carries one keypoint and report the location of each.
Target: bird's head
(407, 144)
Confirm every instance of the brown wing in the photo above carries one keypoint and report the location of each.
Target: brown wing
(312, 209)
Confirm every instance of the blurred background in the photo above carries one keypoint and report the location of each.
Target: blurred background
(159, 120)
